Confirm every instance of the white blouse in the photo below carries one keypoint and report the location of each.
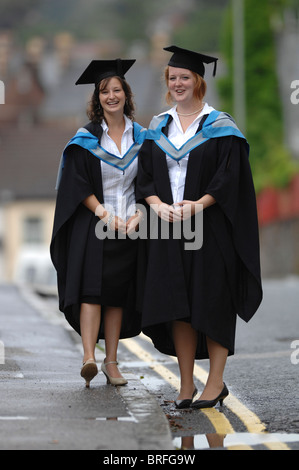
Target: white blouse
(118, 185)
(177, 169)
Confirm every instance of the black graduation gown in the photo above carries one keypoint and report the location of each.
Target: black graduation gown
(210, 286)
(78, 255)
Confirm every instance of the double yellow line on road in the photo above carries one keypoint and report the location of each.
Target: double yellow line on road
(219, 421)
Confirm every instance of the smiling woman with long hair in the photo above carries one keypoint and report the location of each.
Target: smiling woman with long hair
(96, 274)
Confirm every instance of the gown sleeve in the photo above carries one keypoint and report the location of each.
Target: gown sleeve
(75, 186)
(232, 187)
(145, 185)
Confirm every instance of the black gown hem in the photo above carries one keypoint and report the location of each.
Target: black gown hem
(169, 348)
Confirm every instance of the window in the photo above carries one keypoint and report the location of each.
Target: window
(33, 230)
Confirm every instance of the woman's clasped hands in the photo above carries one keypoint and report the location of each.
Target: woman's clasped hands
(116, 223)
(179, 211)
(119, 225)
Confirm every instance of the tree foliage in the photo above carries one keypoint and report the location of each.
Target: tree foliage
(271, 162)
(201, 27)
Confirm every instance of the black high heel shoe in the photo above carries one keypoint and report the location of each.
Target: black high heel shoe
(180, 404)
(198, 404)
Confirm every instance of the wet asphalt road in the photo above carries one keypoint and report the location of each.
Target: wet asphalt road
(44, 404)
(263, 375)
(262, 411)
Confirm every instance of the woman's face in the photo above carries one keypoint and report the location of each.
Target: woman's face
(181, 84)
(112, 96)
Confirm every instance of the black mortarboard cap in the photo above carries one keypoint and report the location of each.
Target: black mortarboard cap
(194, 61)
(99, 69)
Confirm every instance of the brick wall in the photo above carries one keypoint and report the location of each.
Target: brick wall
(278, 212)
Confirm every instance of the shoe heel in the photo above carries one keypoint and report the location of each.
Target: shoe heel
(225, 395)
(221, 400)
(89, 371)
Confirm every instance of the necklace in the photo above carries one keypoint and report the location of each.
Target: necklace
(190, 114)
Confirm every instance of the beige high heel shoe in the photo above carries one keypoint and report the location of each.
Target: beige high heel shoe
(112, 380)
(89, 371)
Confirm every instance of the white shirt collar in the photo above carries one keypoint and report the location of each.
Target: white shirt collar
(173, 112)
(128, 125)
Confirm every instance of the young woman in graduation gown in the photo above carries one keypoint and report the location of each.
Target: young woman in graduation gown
(195, 163)
(95, 212)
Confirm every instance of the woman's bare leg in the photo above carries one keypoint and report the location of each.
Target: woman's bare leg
(112, 327)
(218, 356)
(185, 341)
(90, 320)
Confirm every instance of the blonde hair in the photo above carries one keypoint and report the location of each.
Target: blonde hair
(200, 87)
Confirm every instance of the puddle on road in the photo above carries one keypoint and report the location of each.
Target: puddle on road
(131, 419)
(187, 432)
(241, 440)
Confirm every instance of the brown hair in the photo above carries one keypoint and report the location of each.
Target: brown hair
(199, 89)
(95, 111)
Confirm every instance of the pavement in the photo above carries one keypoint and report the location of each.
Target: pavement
(44, 404)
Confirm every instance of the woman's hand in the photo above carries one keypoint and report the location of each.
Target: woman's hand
(190, 208)
(113, 222)
(117, 224)
(133, 222)
(169, 213)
